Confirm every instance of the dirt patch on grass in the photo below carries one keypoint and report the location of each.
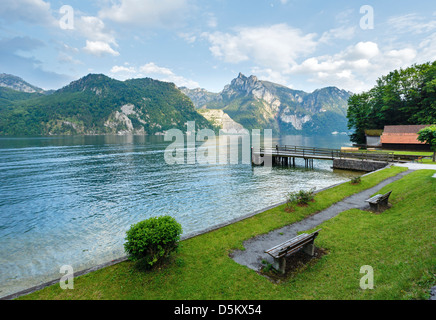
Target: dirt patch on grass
(295, 263)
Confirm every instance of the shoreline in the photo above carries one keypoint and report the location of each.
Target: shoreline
(182, 238)
(32, 289)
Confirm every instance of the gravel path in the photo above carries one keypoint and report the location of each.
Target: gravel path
(416, 166)
(253, 254)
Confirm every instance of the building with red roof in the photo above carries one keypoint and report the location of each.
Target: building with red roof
(403, 138)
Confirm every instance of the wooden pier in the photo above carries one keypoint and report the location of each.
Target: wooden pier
(286, 155)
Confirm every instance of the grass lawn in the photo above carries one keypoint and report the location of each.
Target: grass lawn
(398, 244)
(427, 160)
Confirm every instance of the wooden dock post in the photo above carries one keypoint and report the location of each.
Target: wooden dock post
(251, 156)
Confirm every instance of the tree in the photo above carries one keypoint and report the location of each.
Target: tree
(358, 116)
(428, 135)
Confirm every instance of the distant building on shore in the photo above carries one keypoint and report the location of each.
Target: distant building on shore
(373, 138)
(403, 138)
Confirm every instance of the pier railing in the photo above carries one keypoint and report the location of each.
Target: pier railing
(324, 153)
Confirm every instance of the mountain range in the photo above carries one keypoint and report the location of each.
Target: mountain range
(98, 104)
(257, 104)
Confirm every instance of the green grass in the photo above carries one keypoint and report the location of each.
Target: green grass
(412, 153)
(426, 160)
(398, 243)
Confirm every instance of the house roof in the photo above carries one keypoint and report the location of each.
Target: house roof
(405, 129)
(402, 134)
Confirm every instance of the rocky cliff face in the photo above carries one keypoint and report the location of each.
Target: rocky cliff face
(261, 104)
(200, 96)
(18, 84)
(222, 120)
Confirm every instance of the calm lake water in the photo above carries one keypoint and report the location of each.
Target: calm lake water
(70, 200)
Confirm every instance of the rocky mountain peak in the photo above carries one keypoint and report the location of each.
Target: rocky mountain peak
(18, 84)
(242, 86)
(94, 82)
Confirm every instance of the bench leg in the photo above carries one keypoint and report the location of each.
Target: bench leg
(379, 207)
(280, 265)
(309, 249)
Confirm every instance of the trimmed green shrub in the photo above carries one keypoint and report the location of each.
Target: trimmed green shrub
(153, 240)
(355, 180)
(300, 198)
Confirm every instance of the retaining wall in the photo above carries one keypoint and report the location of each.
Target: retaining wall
(358, 165)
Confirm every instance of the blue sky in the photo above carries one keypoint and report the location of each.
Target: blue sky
(301, 44)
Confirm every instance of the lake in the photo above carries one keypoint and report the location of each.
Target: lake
(70, 200)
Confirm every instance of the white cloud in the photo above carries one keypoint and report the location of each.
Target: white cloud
(151, 68)
(165, 74)
(188, 37)
(99, 48)
(123, 69)
(356, 67)
(362, 50)
(148, 13)
(403, 55)
(94, 29)
(269, 74)
(66, 58)
(344, 17)
(411, 23)
(154, 71)
(99, 39)
(276, 46)
(345, 33)
(30, 11)
(427, 49)
(212, 21)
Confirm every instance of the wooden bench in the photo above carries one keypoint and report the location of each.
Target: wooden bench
(303, 241)
(379, 202)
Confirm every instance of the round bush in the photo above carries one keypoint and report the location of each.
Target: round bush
(153, 239)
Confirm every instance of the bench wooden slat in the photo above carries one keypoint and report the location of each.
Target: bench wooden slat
(290, 250)
(287, 243)
(292, 245)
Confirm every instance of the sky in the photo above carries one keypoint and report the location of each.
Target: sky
(304, 45)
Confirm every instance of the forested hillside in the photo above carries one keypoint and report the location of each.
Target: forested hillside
(97, 104)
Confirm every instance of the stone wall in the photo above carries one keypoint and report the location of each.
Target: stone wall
(358, 165)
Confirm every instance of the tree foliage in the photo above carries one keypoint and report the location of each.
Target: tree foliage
(403, 97)
(428, 135)
(153, 239)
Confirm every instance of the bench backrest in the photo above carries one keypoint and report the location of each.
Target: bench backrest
(379, 198)
(385, 196)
